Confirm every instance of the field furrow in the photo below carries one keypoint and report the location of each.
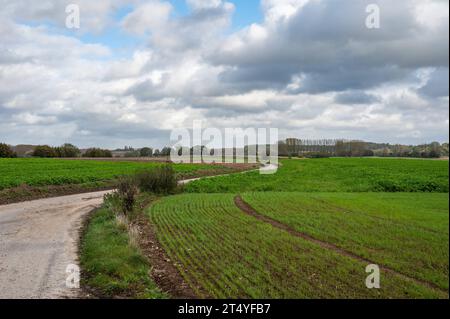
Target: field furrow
(231, 254)
(378, 227)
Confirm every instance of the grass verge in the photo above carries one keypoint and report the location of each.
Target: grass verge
(112, 266)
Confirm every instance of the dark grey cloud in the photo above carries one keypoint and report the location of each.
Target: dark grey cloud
(329, 45)
(438, 84)
(256, 77)
(146, 91)
(356, 97)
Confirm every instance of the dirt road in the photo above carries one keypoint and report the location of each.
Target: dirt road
(38, 240)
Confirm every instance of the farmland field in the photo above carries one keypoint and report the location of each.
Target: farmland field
(406, 232)
(310, 230)
(230, 254)
(337, 175)
(42, 172)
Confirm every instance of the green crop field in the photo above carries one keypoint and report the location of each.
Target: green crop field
(311, 229)
(406, 232)
(230, 254)
(337, 175)
(42, 172)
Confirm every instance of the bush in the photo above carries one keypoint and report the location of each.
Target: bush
(97, 152)
(6, 151)
(67, 150)
(127, 191)
(146, 152)
(160, 180)
(317, 155)
(44, 151)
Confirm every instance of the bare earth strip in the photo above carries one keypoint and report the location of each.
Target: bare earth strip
(248, 209)
(38, 240)
(163, 272)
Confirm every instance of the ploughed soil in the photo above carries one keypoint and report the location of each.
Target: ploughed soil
(164, 272)
(25, 193)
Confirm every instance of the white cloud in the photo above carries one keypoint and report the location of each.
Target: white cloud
(281, 9)
(308, 68)
(149, 16)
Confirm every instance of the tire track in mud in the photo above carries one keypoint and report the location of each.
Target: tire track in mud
(249, 210)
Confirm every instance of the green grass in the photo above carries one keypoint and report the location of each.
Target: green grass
(43, 172)
(337, 175)
(406, 232)
(111, 266)
(232, 255)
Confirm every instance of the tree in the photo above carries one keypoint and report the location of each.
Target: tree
(156, 153)
(45, 151)
(146, 152)
(97, 152)
(341, 148)
(435, 150)
(6, 151)
(166, 151)
(283, 149)
(67, 150)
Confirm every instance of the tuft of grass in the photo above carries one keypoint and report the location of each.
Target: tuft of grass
(161, 180)
(112, 264)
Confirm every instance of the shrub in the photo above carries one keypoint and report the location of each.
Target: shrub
(146, 152)
(317, 155)
(97, 152)
(44, 151)
(67, 150)
(127, 191)
(160, 180)
(6, 151)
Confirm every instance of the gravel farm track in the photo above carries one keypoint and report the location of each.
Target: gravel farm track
(39, 239)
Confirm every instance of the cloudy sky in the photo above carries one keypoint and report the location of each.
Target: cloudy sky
(137, 69)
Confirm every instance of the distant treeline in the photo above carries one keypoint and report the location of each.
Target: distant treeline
(291, 147)
(68, 151)
(129, 151)
(355, 148)
(63, 151)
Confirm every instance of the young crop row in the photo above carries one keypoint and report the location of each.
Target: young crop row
(224, 253)
(42, 172)
(406, 232)
(337, 175)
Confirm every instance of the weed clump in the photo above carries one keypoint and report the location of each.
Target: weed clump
(127, 191)
(161, 180)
